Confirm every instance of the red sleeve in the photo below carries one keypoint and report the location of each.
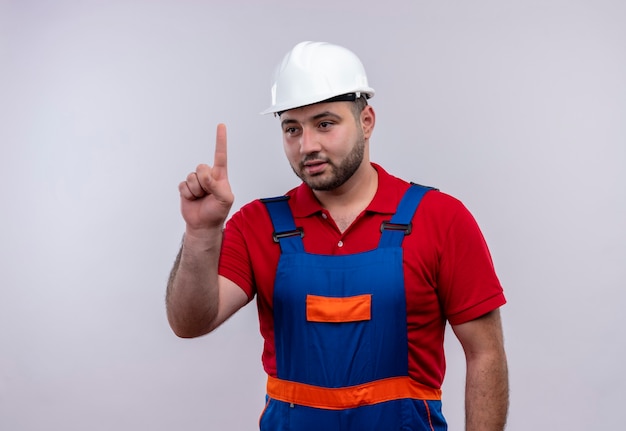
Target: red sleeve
(235, 257)
(468, 284)
(249, 256)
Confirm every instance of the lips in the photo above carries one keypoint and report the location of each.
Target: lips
(314, 167)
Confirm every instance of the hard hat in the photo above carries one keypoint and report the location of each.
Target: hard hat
(314, 72)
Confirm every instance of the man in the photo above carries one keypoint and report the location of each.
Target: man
(355, 272)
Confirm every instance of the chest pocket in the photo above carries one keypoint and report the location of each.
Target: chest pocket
(335, 310)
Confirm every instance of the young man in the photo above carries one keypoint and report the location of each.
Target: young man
(356, 272)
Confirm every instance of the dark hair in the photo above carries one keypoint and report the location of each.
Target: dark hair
(359, 104)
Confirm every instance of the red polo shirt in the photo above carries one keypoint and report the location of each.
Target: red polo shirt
(448, 270)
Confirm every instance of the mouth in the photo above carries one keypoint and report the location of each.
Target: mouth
(314, 167)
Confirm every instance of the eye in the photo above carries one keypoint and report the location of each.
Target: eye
(325, 125)
(290, 130)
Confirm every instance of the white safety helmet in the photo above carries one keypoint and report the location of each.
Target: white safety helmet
(314, 72)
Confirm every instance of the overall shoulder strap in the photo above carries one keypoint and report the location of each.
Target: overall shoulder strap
(285, 231)
(394, 230)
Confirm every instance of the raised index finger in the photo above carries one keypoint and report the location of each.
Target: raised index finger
(220, 159)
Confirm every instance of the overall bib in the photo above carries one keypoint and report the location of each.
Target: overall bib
(340, 332)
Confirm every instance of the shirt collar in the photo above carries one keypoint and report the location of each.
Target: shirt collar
(385, 201)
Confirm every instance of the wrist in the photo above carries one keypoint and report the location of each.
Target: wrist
(202, 238)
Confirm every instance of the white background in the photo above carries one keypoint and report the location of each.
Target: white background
(518, 108)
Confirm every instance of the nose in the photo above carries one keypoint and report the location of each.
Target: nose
(308, 141)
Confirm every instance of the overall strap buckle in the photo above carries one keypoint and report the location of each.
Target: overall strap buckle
(286, 234)
(388, 225)
(277, 236)
(400, 225)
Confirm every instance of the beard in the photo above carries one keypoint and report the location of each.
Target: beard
(339, 173)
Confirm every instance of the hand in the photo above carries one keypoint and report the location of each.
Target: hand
(205, 196)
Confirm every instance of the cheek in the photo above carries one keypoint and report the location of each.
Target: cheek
(291, 150)
(342, 146)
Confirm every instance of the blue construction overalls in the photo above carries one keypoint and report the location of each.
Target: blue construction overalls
(341, 335)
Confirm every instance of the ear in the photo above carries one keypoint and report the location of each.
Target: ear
(368, 121)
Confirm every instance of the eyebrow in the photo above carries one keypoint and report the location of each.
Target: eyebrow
(313, 118)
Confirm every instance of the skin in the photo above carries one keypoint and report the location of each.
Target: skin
(327, 146)
(486, 381)
(329, 150)
(198, 299)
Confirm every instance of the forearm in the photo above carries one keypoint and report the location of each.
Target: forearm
(486, 392)
(192, 296)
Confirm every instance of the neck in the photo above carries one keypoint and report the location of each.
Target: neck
(350, 199)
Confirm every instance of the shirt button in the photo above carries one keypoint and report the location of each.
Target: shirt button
(324, 216)
(340, 244)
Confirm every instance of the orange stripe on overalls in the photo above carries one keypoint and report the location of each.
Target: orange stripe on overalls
(390, 389)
